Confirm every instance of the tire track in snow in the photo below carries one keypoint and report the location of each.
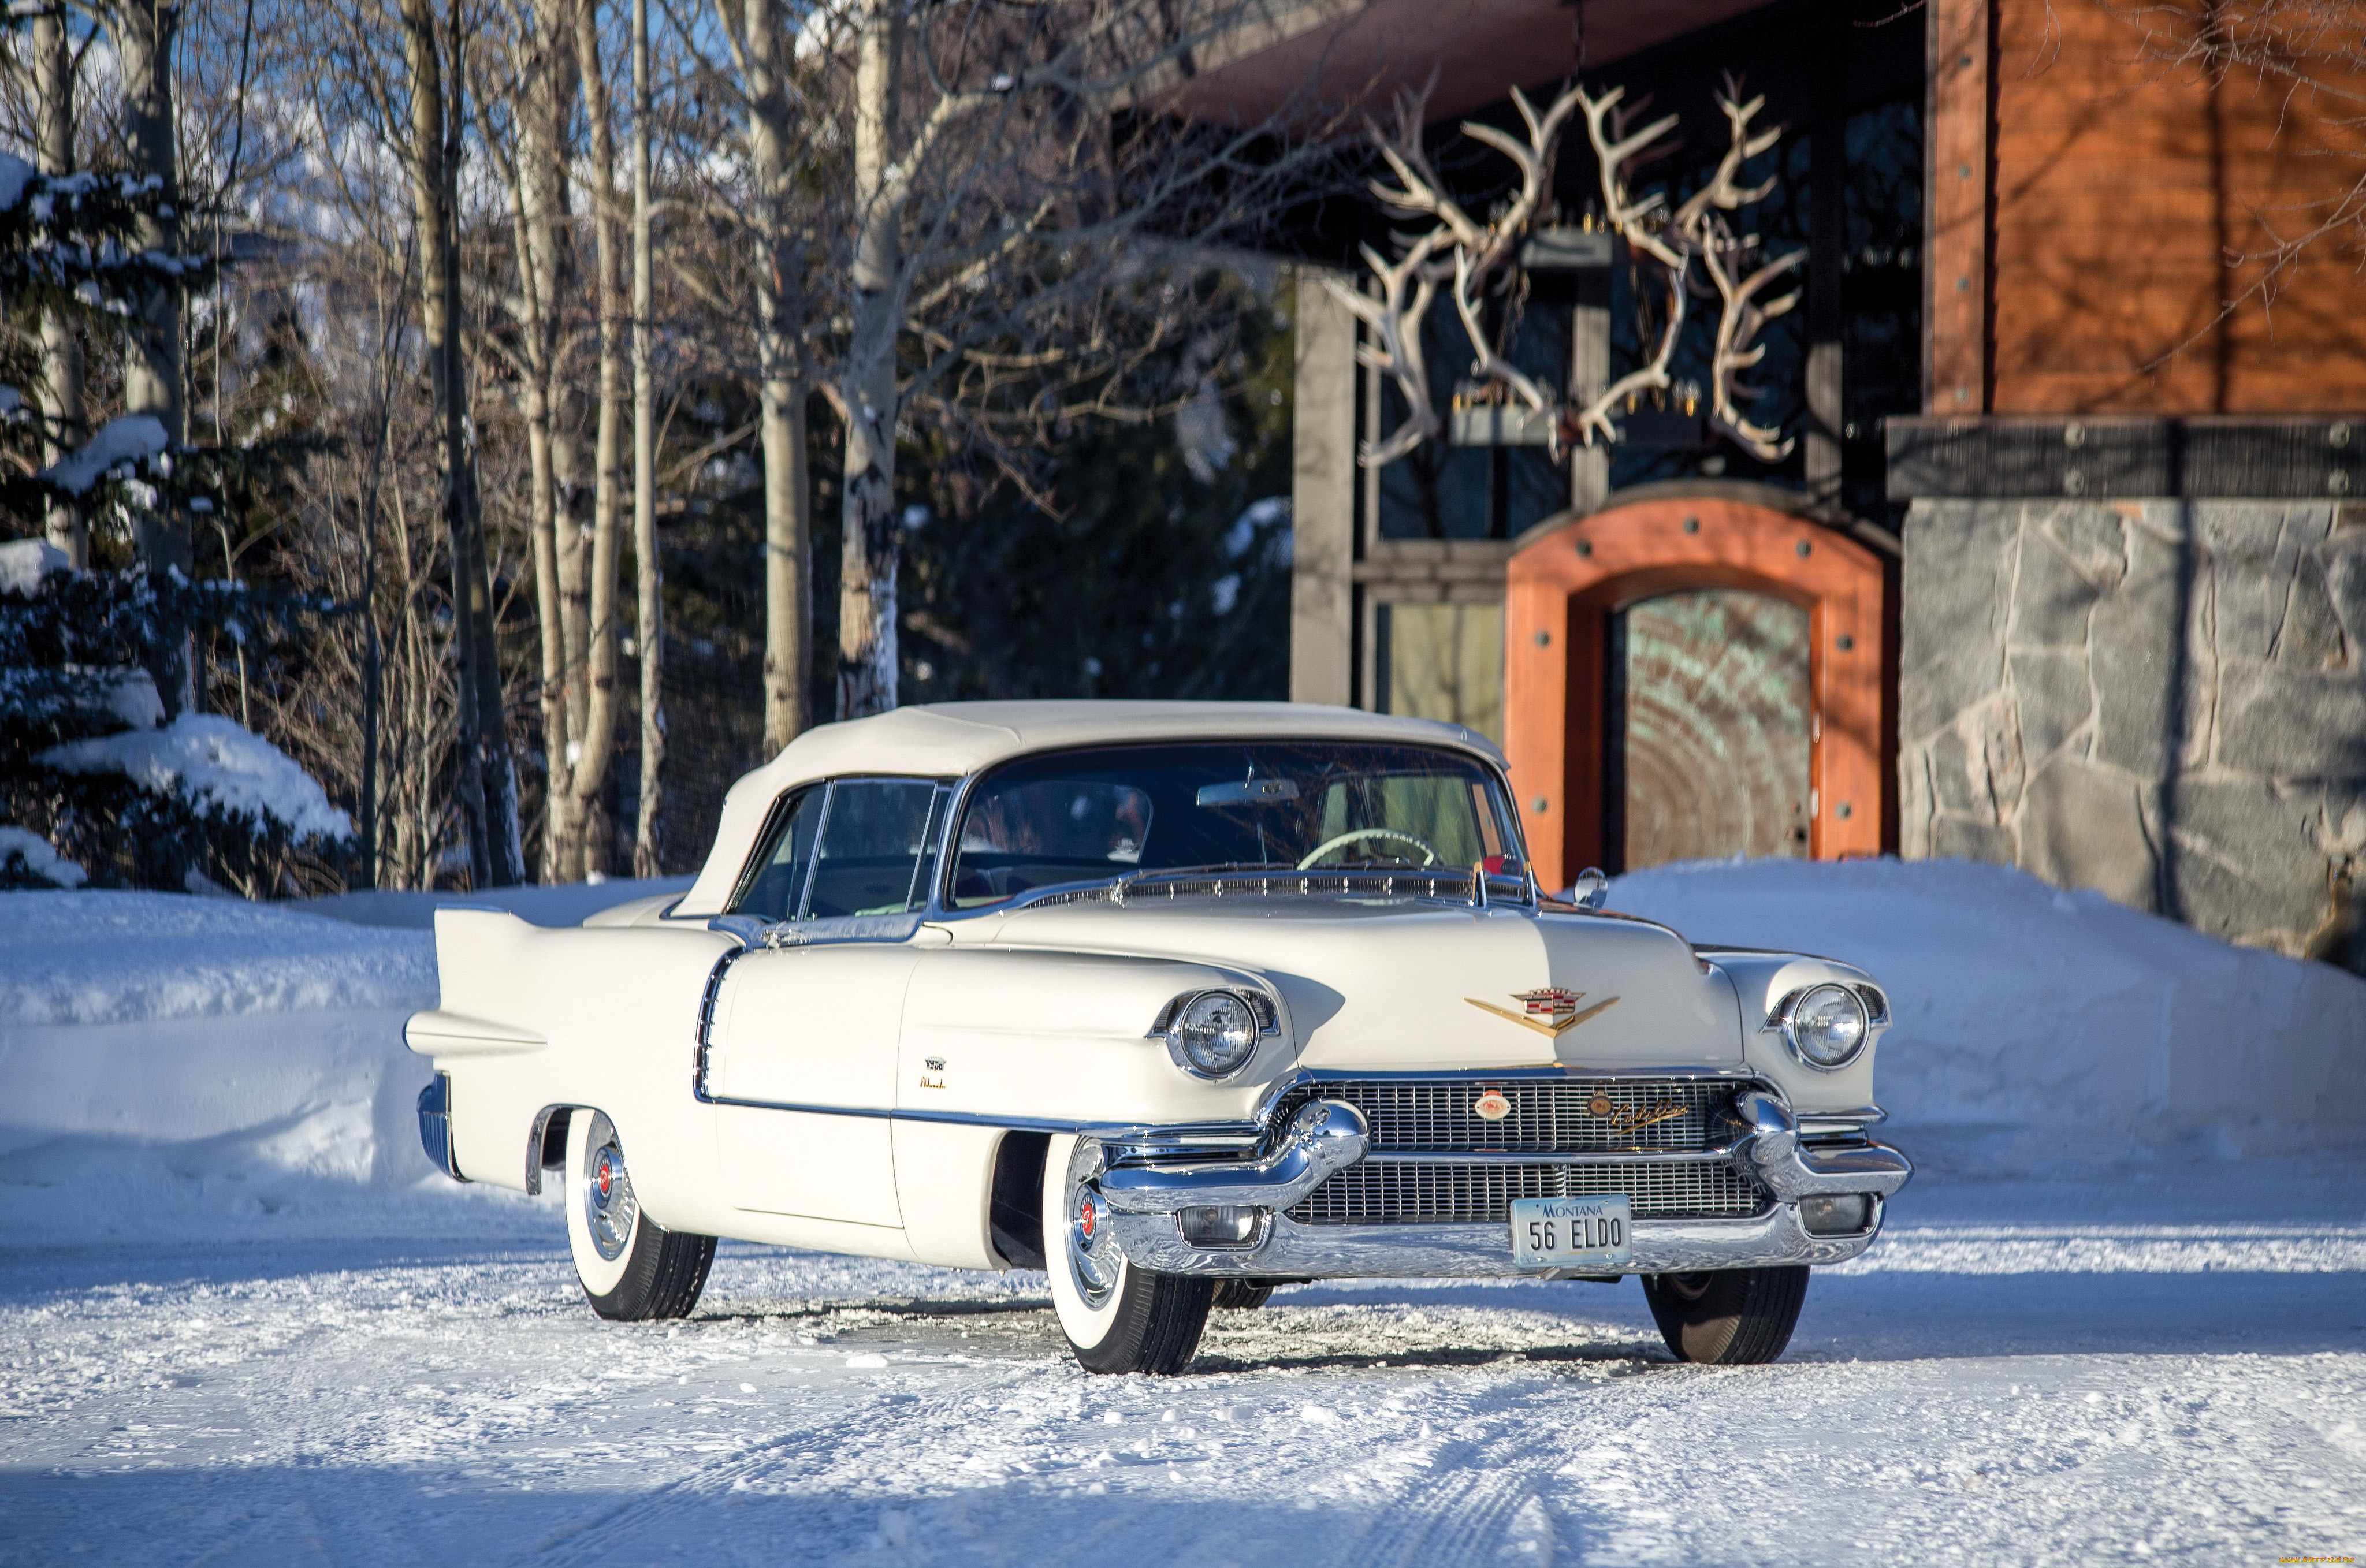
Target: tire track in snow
(1461, 1518)
(702, 1487)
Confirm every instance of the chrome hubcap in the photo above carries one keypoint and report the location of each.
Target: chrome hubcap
(609, 1206)
(1094, 1261)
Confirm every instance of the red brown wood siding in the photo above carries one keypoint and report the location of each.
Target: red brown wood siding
(2127, 200)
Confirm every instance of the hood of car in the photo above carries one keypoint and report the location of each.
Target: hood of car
(1403, 985)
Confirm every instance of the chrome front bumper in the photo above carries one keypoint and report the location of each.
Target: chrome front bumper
(1330, 1135)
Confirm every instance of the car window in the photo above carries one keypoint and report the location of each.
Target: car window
(1075, 816)
(774, 889)
(874, 841)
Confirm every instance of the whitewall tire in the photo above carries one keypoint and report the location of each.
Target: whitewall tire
(1118, 1318)
(632, 1268)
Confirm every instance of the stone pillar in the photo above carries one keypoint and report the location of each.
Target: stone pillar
(1322, 499)
(2161, 699)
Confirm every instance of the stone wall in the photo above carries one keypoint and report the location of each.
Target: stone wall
(2162, 700)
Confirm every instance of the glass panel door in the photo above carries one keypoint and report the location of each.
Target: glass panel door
(1708, 729)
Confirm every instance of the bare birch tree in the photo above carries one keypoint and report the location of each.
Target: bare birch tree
(993, 212)
(596, 745)
(649, 628)
(533, 100)
(758, 33)
(487, 774)
(62, 358)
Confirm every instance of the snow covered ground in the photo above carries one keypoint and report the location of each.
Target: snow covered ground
(2120, 1316)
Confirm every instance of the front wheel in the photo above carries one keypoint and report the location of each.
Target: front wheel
(1118, 1318)
(1728, 1317)
(632, 1268)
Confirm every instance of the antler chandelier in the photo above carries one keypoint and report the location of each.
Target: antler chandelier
(1466, 254)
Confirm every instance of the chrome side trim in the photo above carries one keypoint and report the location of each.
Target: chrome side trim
(1334, 1252)
(1792, 1171)
(1323, 1137)
(1128, 1139)
(703, 1038)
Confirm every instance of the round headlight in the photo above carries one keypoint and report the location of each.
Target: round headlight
(1826, 1026)
(1214, 1036)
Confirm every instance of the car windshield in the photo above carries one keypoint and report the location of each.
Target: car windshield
(1079, 815)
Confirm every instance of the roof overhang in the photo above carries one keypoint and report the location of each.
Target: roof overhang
(1297, 59)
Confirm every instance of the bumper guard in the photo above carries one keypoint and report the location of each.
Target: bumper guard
(1330, 1135)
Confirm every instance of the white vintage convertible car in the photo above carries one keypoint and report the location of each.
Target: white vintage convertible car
(1178, 1002)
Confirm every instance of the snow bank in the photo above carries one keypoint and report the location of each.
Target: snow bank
(2043, 1031)
(24, 562)
(167, 1060)
(109, 957)
(214, 761)
(40, 857)
(180, 1066)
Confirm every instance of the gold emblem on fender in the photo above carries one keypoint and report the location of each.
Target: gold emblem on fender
(1550, 1010)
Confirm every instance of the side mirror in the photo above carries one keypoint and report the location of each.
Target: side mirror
(1591, 889)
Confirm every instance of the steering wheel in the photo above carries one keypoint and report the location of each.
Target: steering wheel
(1428, 852)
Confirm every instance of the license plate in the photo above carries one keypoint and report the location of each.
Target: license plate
(1595, 1234)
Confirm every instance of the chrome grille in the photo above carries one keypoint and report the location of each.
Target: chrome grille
(1407, 1191)
(1547, 1115)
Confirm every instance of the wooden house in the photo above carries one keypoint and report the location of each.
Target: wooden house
(2055, 566)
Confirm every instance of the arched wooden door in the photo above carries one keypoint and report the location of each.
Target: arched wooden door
(1587, 591)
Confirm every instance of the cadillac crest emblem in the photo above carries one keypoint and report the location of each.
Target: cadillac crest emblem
(1550, 1011)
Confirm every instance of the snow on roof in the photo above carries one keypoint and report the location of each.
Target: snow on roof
(24, 562)
(214, 761)
(955, 739)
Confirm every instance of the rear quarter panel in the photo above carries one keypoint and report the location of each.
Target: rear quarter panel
(616, 1013)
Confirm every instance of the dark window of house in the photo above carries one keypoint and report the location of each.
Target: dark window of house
(1881, 293)
(1444, 492)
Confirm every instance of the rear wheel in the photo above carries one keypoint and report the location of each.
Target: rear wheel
(1118, 1318)
(632, 1268)
(1728, 1317)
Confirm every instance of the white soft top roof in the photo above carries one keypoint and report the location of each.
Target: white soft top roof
(955, 739)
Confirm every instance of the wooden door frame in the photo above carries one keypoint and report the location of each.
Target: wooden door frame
(1568, 576)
